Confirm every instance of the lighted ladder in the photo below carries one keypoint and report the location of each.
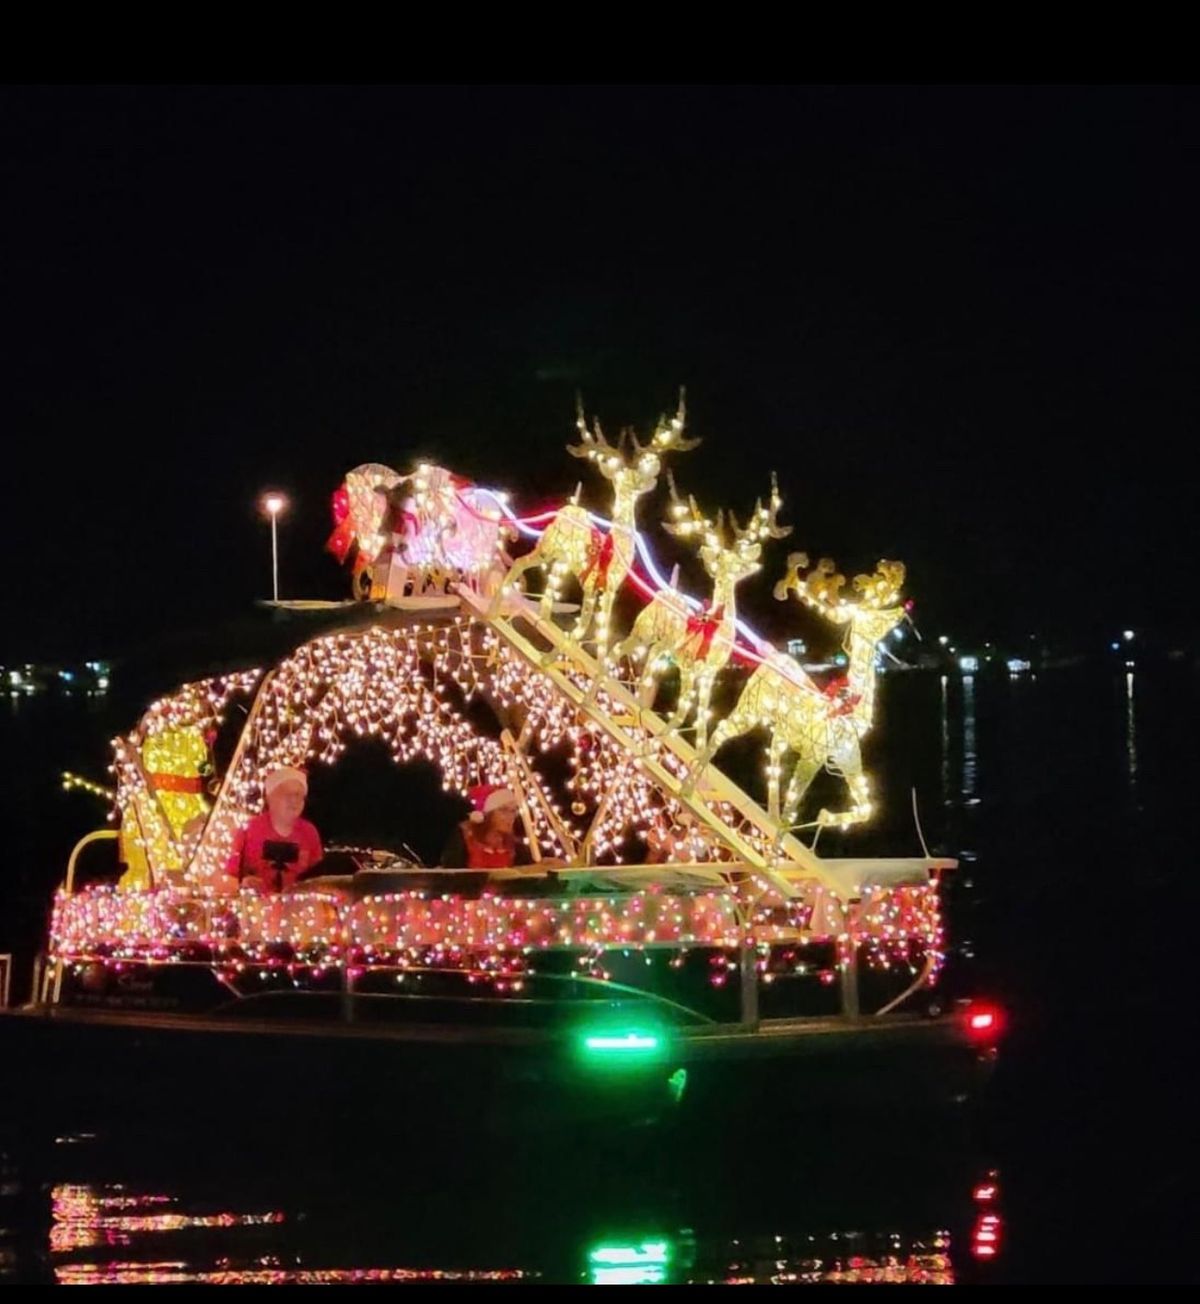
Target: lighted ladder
(793, 861)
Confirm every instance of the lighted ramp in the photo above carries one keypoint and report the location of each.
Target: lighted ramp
(743, 827)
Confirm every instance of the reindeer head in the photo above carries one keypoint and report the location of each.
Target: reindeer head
(879, 610)
(633, 468)
(729, 553)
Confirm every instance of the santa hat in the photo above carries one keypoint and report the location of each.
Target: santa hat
(284, 774)
(488, 797)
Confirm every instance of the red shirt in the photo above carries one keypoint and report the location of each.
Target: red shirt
(249, 846)
(481, 856)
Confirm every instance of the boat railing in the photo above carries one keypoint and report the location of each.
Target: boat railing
(603, 986)
(325, 922)
(97, 835)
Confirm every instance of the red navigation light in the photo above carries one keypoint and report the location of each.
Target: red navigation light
(985, 1238)
(984, 1021)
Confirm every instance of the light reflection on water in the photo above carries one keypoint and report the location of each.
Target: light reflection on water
(969, 757)
(266, 1273)
(84, 1217)
(232, 1217)
(1131, 756)
(136, 1229)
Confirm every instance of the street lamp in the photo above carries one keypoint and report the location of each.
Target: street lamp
(273, 504)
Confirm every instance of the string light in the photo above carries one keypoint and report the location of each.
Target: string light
(822, 729)
(665, 632)
(572, 544)
(161, 769)
(490, 936)
(420, 532)
(411, 689)
(76, 781)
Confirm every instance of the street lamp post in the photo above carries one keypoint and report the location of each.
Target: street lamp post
(273, 504)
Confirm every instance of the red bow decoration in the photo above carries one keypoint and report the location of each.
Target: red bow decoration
(342, 539)
(599, 557)
(704, 624)
(161, 782)
(842, 700)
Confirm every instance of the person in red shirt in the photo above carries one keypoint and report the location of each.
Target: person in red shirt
(486, 839)
(277, 846)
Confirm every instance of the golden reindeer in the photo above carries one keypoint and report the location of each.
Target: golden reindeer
(667, 633)
(573, 545)
(822, 728)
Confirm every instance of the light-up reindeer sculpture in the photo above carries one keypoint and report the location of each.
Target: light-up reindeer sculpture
(668, 633)
(821, 728)
(572, 544)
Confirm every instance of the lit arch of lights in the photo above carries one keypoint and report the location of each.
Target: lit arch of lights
(410, 687)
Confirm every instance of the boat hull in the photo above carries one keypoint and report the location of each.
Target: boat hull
(110, 1063)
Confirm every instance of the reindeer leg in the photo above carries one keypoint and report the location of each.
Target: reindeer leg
(704, 690)
(860, 791)
(733, 726)
(625, 647)
(586, 609)
(554, 579)
(775, 750)
(687, 679)
(647, 687)
(516, 571)
(848, 758)
(603, 629)
(553, 591)
(803, 773)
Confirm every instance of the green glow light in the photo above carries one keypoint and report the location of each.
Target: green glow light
(638, 1263)
(625, 1042)
(629, 1255)
(649, 1276)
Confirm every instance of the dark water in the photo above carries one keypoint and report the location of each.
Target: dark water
(1069, 799)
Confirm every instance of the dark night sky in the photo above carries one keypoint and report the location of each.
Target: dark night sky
(961, 324)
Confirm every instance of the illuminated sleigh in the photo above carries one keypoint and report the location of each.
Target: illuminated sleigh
(741, 933)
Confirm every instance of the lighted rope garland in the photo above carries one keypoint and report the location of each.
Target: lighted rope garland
(490, 935)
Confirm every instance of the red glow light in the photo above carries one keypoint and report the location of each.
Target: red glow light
(985, 1238)
(984, 1022)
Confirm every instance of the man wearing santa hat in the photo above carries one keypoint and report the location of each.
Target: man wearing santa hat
(485, 839)
(277, 846)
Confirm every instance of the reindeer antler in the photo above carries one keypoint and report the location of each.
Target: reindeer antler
(820, 590)
(592, 443)
(688, 519)
(823, 588)
(796, 562)
(668, 438)
(882, 588)
(668, 435)
(763, 524)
